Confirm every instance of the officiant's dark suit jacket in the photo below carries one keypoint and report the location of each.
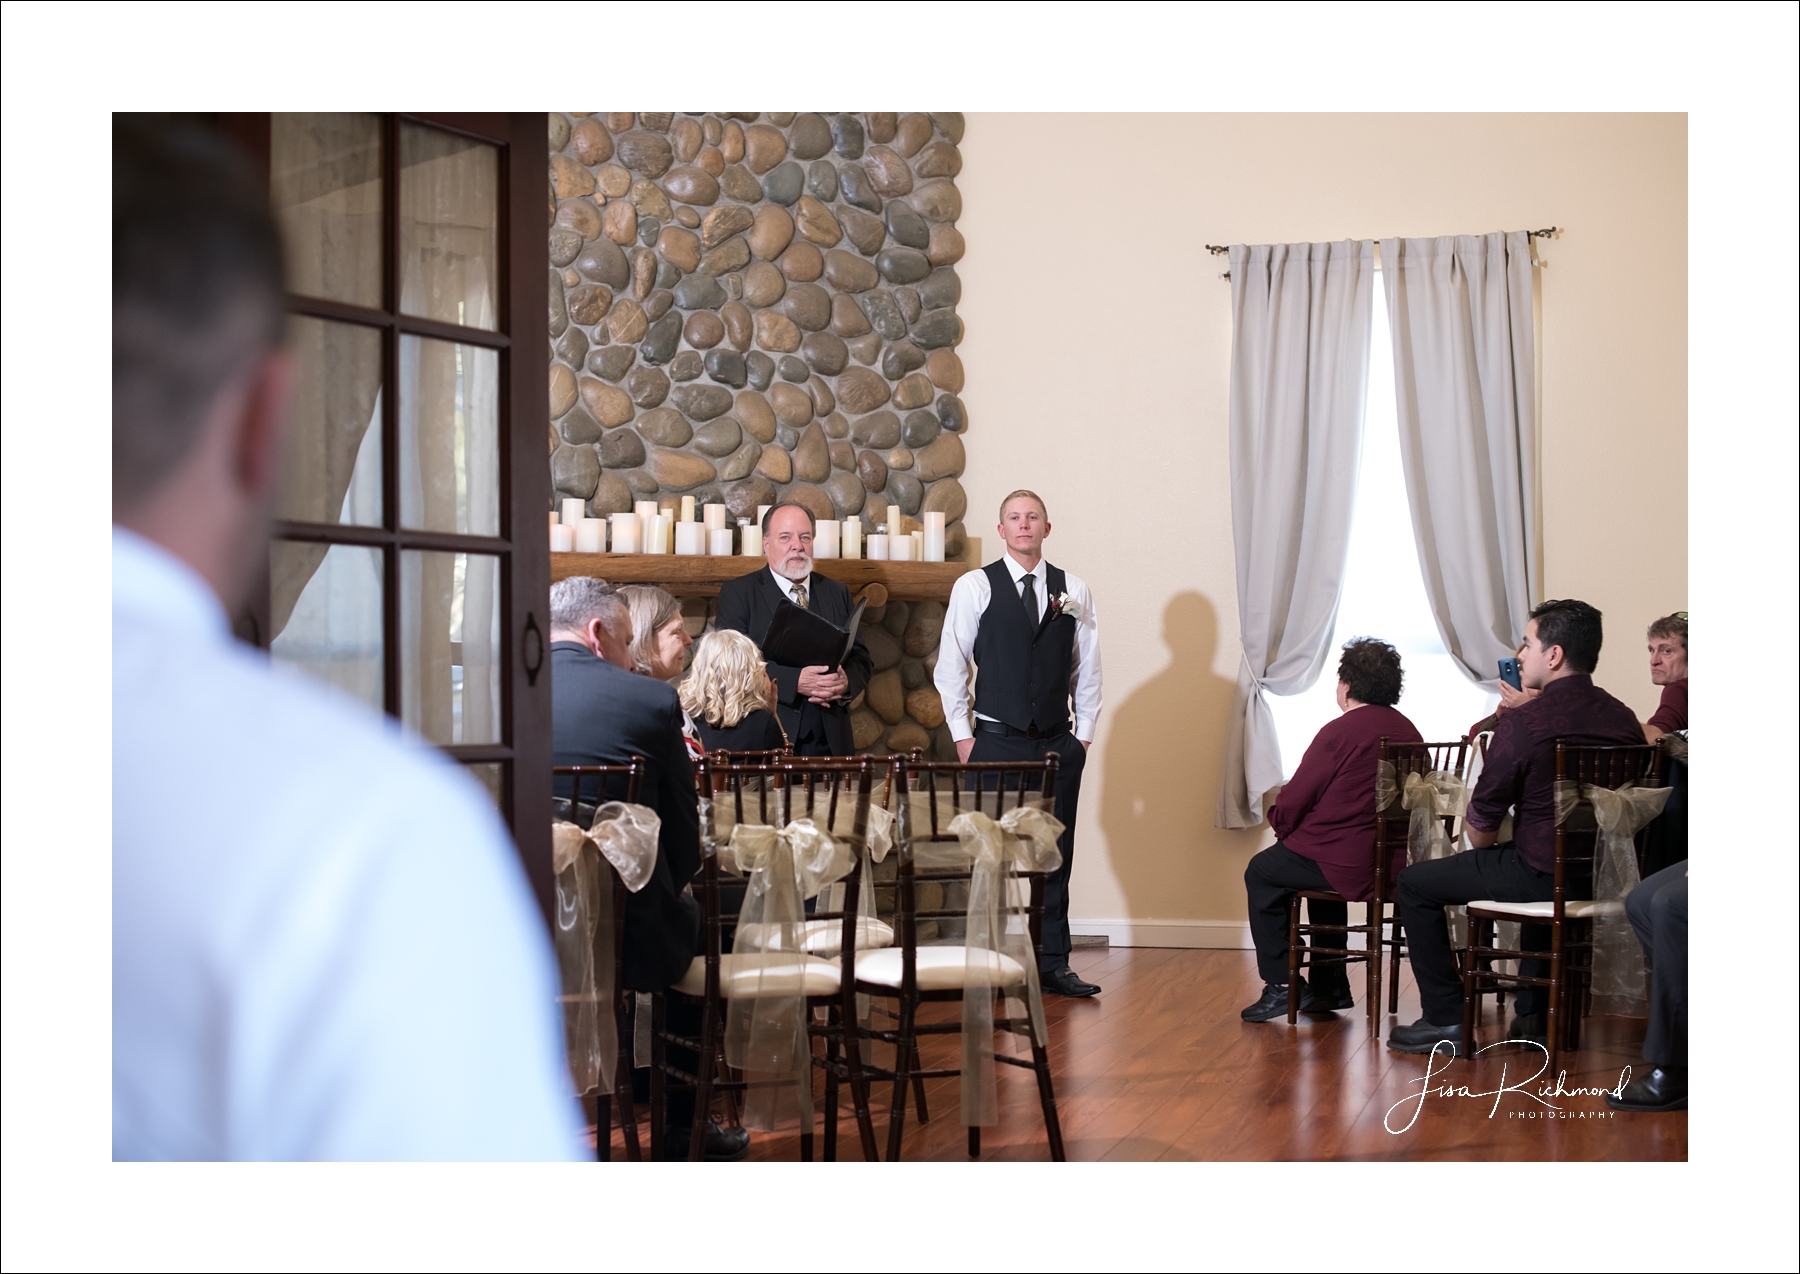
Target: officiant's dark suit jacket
(603, 715)
(748, 603)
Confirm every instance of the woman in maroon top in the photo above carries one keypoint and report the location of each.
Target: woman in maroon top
(1325, 819)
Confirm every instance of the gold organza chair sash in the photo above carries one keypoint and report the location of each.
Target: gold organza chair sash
(626, 836)
(1432, 797)
(1619, 814)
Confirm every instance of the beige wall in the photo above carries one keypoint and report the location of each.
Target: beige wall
(1097, 353)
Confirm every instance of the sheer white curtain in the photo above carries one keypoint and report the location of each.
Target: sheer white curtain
(1299, 381)
(1460, 310)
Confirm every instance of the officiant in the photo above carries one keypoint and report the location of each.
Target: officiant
(813, 702)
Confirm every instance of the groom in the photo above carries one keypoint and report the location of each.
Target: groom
(1029, 628)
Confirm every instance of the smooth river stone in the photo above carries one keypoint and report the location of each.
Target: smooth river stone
(643, 273)
(679, 247)
(825, 353)
(701, 402)
(946, 497)
(764, 147)
(936, 329)
(860, 391)
(944, 458)
(771, 230)
(809, 136)
(660, 342)
(572, 347)
(733, 254)
(873, 470)
(865, 232)
(686, 138)
(658, 303)
(740, 185)
(792, 406)
(612, 362)
(823, 400)
(884, 315)
(699, 292)
(575, 471)
(951, 413)
(900, 358)
(650, 200)
(562, 390)
(907, 226)
(866, 348)
(899, 458)
(913, 132)
(657, 120)
(902, 265)
(921, 427)
(849, 273)
(776, 465)
(813, 499)
(603, 261)
(742, 462)
(908, 301)
(719, 437)
(950, 124)
(802, 262)
(565, 245)
(763, 285)
(615, 182)
(618, 121)
(776, 332)
(939, 159)
(882, 125)
(685, 366)
(559, 304)
(692, 186)
(679, 469)
(647, 386)
(946, 247)
(731, 142)
(812, 458)
(703, 330)
(760, 368)
(857, 188)
(627, 323)
(817, 224)
(622, 449)
(941, 288)
(711, 160)
(686, 216)
(620, 222)
(783, 183)
(667, 275)
(846, 318)
(569, 179)
(721, 223)
(937, 201)
(877, 431)
(642, 485)
(734, 285)
(581, 216)
(846, 136)
(847, 493)
(727, 367)
(711, 129)
(914, 391)
(843, 454)
(809, 305)
(665, 427)
(739, 329)
(559, 130)
(743, 498)
(905, 490)
(646, 153)
(888, 172)
(578, 427)
(755, 415)
(945, 369)
(821, 180)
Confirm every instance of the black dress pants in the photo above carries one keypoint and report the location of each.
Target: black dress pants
(1273, 877)
(1658, 910)
(1425, 889)
(1071, 758)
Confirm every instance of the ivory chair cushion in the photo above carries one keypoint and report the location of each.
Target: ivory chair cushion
(1547, 910)
(742, 977)
(824, 937)
(940, 968)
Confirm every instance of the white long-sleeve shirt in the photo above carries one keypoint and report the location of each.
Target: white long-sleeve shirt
(962, 619)
(324, 946)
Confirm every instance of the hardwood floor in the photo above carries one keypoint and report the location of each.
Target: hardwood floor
(1160, 1067)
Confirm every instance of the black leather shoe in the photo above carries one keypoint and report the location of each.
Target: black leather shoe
(1272, 1005)
(1530, 1028)
(1326, 999)
(1064, 982)
(1422, 1037)
(1664, 1088)
(723, 1145)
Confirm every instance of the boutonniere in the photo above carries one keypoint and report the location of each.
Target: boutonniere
(1063, 604)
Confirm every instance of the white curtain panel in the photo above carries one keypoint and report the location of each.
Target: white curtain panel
(1299, 382)
(1461, 312)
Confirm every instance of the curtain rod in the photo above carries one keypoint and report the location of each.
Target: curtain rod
(1219, 250)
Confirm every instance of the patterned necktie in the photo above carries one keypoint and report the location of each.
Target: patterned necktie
(1029, 598)
(800, 596)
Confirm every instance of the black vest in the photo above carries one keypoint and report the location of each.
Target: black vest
(1023, 670)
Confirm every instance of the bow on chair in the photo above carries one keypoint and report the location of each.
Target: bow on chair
(627, 837)
(1025, 837)
(1619, 814)
(765, 1031)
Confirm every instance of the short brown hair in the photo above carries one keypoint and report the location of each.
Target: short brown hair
(1370, 671)
(1671, 626)
(1030, 495)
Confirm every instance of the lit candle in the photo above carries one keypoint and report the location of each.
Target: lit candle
(687, 508)
(934, 537)
(590, 535)
(572, 512)
(878, 547)
(825, 540)
(851, 545)
(627, 534)
(562, 539)
(656, 534)
(715, 517)
(752, 539)
(900, 548)
(719, 541)
(645, 509)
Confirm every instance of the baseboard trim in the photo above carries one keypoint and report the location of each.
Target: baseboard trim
(1230, 935)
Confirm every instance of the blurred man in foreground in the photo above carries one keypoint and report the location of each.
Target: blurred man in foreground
(323, 944)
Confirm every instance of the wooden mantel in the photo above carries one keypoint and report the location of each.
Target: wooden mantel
(701, 576)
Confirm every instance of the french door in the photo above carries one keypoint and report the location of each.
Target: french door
(409, 565)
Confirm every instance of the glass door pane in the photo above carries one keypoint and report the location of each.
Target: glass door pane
(450, 646)
(325, 614)
(449, 227)
(449, 437)
(325, 184)
(331, 458)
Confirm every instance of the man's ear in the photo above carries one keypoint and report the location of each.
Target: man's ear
(263, 422)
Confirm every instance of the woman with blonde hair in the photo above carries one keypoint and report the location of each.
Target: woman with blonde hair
(659, 640)
(729, 697)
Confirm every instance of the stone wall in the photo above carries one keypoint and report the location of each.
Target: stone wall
(746, 307)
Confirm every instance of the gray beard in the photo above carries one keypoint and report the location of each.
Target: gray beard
(783, 572)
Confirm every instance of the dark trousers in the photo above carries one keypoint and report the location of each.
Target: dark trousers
(1071, 757)
(1658, 911)
(1425, 889)
(1273, 877)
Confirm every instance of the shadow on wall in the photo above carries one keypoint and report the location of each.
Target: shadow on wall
(1163, 753)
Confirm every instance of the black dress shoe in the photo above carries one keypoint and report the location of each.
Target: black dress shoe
(1422, 1037)
(1064, 982)
(1530, 1028)
(723, 1145)
(1273, 1003)
(1326, 999)
(1664, 1088)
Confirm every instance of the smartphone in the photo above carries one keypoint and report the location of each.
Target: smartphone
(1509, 673)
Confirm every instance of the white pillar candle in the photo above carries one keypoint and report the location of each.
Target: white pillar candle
(878, 547)
(715, 517)
(656, 535)
(590, 535)
(825, 540)
(851, 544)
(934, 538)
(762, 511)
(627, 533)
(644, 509)
(900, 548)
(752, 540)
(687, 508)
(572, 512)
(893, 521)
(562, 539)
(690, 539)
(918, 539)
(719, 538)
(554, 517)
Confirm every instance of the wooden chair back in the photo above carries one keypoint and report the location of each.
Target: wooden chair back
(1638, 765)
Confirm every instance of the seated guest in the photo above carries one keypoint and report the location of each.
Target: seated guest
(603, 714)
(1668, 669)
(1325, 818)
(1557, 658)
(659, 642)
(729, 696)
(1658, 910)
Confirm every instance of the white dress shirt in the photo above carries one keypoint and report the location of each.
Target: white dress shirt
(962, 620)
(787, 586)
(324, 946)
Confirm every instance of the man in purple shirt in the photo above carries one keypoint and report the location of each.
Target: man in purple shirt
(1561, 647)
(1325, 819)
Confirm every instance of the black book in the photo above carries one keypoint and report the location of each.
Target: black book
(801, 639)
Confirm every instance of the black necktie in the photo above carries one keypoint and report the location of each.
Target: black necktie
(1029, 597)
